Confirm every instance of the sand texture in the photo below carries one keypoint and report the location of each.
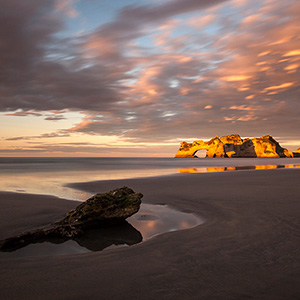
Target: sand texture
(248, 248)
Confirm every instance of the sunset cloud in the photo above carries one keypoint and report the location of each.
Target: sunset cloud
(278, 87)
(293, 53)
(150, 73)
(67, 7)
(236, 78)
(199, 22)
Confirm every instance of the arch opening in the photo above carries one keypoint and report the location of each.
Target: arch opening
(201, 153)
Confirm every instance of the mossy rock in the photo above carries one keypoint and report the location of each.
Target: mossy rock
(111, 207)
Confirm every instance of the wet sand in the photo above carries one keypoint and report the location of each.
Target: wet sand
(248, 248)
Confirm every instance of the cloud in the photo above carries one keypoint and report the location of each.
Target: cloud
(42, 136)
(243, 107)
(147, 76)
(88, 149)
(37, 69)
(25, 113)
(280, 86)
(199, 22)
(67, 6)
(235, 78)
(292, 53)
(55, 118)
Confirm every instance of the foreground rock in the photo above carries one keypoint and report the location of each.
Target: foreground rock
(101, 210)
(234, 146)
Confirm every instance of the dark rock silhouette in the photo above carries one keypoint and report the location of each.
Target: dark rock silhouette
(100, 211)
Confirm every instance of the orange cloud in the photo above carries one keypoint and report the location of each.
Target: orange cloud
(261, 63)
(82, 125)
(152, 92)
(162, 38)
(278, 87)
(236, 77)
(263, 53)
(243, 88)
(184, 59)
(229, 118)
(242, 107)
(146, 88)
(293, 53)
(291, 67)
(184, 91)
(247, 118)
(264, 69)
(281, 41)
(251, 19)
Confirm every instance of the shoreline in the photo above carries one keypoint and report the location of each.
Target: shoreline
(247, 248)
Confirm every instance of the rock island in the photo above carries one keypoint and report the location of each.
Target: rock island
(234, 146)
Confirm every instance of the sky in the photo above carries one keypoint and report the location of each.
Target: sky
(135, 78)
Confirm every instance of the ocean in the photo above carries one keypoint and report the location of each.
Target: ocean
(51, 175)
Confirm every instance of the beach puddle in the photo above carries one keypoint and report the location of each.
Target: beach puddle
(237, 168)
(151, 220)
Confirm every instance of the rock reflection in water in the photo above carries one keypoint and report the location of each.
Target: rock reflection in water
(238, 168)
(92, 240)
(101, 238)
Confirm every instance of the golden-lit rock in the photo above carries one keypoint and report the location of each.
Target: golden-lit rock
(234, 146)
(296, 153)
(288, 153)
(230, 153)
(214, 148)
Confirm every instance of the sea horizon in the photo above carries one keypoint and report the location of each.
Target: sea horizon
(52, 175)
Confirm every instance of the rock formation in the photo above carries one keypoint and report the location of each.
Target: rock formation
(101, 210)
(234, 146)
(104, 209)
(297, 153)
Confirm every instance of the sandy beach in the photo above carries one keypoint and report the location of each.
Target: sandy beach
(248, 247)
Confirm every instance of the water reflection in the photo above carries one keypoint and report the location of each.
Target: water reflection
(238, 168)
(54, 182)
(150, 221)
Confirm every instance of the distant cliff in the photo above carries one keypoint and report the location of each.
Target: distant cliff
(234, 146)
